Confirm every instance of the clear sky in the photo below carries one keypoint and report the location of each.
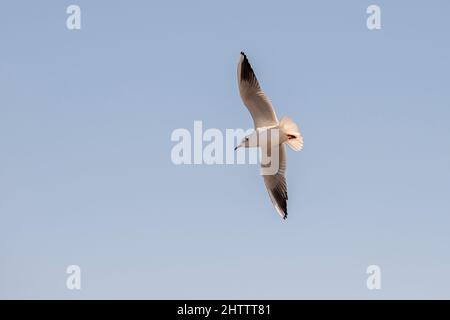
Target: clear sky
(86, 176)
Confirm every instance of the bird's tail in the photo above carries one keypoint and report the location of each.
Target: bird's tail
(290, 130)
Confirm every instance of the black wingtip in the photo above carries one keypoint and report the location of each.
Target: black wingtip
(242, 53)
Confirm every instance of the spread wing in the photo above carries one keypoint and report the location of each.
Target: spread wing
(253, 97)
(276, 185)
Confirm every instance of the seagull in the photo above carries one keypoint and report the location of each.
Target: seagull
(265, 121)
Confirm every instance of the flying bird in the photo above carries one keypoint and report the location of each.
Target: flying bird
(265, 122)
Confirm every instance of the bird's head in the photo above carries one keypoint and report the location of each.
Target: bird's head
(249, 141)
(244, 143)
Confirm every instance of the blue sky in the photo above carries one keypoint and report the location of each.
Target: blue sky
(86, 176)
